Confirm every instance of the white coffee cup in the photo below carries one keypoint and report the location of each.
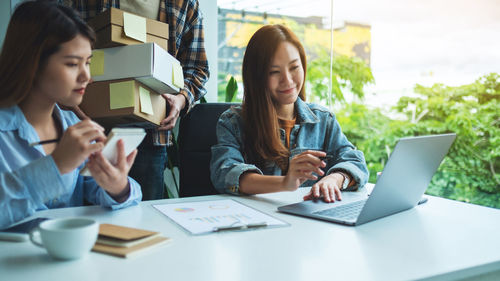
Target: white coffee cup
(67, 239)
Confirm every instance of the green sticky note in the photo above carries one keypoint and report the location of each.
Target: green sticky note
(121, 94)
(145, 99)
(97, 63)
(177, 75)
(134, 27)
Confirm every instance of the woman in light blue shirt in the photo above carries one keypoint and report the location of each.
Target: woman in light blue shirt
(275, 141)
(45, 62)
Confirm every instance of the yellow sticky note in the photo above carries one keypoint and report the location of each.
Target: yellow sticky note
(121, 94)
(177, 75)
(145, 99)
(134, 27)
(97, 63)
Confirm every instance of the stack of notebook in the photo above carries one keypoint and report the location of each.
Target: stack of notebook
(124, 241)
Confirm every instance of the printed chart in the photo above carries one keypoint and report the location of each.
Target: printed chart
(210, 216)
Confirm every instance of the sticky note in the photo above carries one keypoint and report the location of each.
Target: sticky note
(145, 99)
(134, 27)
(177, 75)
(121, 94)
(97, 63)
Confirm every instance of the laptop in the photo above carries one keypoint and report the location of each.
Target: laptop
(401, 185)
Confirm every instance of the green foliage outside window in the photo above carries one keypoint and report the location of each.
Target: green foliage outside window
(349, 73)
(471, 170)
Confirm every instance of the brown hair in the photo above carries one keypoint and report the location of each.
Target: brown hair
(261, 128)
(35, 32)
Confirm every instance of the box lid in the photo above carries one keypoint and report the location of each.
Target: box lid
(115, 16)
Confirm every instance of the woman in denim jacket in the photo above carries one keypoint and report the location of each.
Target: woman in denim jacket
(275, 141)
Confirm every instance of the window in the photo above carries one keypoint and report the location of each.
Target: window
(400, 68)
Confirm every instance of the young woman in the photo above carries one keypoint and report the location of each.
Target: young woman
(45, 62)
(275, 141)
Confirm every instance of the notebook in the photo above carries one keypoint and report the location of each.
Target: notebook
(124, 241)
(402, 183)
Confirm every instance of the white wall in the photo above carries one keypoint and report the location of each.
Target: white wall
(209, 10)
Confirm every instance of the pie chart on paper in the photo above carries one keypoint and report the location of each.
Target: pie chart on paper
(183, 210)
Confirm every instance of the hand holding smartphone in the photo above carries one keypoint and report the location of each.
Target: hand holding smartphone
(20, 232)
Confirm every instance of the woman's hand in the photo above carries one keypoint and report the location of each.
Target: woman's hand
(76, 145)
(113, 178)
(302, 167)
(328, 187)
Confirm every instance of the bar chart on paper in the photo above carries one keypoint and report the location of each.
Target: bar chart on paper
(210, 216)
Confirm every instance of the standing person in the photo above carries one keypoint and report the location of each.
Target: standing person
(275, 141)
(186, 44)
(44, 62)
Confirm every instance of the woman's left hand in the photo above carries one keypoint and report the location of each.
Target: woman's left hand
(112, 178)
(328, 187)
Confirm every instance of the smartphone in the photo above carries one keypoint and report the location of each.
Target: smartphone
(20, 232)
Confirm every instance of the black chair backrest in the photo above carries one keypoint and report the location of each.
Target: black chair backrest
(196, 137)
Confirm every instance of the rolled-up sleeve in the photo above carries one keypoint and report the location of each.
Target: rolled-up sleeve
(346, 157)
(227, 163)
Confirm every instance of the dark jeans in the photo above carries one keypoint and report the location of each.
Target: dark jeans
(148, 170)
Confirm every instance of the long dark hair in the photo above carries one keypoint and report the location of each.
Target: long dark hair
(36, 31)
(261, 127)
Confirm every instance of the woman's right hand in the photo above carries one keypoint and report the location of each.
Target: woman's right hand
(76, 145)
(302, 167)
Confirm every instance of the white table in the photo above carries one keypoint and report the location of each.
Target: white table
(440, 240)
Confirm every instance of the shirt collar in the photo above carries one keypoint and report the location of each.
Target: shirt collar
(304, 112)
(12, 118)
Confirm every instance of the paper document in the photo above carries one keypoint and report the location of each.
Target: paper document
(215, 215)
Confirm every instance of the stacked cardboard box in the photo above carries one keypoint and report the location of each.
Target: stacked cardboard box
(112, 26)
(128, 80)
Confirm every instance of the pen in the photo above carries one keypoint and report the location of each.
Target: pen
(239, 227)
(44, 142)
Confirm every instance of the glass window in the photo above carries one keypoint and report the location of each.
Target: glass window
(399, 68)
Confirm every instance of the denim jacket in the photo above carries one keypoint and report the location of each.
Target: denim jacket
(316, 128)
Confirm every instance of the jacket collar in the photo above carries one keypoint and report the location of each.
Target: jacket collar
(304, 112)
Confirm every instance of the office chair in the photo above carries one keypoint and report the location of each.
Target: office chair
(196, 137)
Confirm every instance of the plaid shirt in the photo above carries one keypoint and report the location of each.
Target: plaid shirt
(185, 38)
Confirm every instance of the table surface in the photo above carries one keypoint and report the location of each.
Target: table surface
(439, 240)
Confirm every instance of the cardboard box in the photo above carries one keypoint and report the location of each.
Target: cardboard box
(148, 63)
(112, 25)
(124, 101)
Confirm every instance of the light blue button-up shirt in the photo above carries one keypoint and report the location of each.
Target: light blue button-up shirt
(30, 180)
(316, 128)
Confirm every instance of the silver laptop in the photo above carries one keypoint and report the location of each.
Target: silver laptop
(400, 186)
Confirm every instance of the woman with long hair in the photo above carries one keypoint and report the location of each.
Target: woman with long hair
(276, 141)
(45, 62)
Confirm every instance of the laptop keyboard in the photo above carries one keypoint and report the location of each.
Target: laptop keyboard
(346, 212)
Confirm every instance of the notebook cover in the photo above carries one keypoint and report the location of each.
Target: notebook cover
(122, 232)
(105, 240)
(127, 252)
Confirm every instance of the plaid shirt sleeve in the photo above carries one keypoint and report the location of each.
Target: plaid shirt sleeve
(186, 43)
